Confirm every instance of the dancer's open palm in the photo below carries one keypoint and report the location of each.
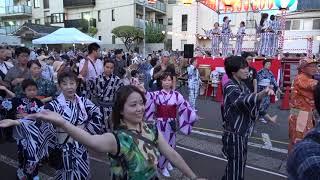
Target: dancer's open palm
(48, 116)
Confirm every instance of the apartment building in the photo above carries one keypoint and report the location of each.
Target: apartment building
(100, 15)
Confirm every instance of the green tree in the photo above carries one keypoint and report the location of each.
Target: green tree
(128, 35)
(154, 33)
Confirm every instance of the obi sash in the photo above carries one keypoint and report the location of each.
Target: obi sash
(166, 111)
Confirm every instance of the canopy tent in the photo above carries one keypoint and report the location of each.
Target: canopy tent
(66, 36)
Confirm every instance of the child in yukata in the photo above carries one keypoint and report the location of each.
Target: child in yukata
(33, 137)
(194, 82)
(163, 106)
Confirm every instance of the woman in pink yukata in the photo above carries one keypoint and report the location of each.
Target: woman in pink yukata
(163, 106)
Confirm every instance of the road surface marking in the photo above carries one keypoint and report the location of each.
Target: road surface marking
(262, 146)
(222, 159)
(252, 137)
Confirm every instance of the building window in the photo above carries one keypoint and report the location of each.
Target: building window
(36, 3)
(85, 14)
(295, 25)
(316, 24)
(37, 21)
(184, 26)
(46, 4)
(169, 21)
(99, 16)
(29, 3)
(112, 15)
(288, 25)
(172, 1)
(113, 39)
(47, 20)
(100, 38)
(57, 18)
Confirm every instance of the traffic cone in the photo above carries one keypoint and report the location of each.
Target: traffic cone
(285, 100)
(218, 97)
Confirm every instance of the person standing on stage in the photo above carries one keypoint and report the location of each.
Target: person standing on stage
(273, 43)
(240, 112)
(194, 82)
(226, 33)
(215, 35)
(240, 36)
(302, 116)
(263, 35)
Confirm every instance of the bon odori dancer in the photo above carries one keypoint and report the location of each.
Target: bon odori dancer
(214, 34)
(194, 82)
(133, 146)
(226, 34)
(103, 90)
(240, 112)
(33, 138)
(240, 35)
(162, 106)
(80, 112)
(302, 113)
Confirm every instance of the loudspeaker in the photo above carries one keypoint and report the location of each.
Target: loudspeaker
(188, 51)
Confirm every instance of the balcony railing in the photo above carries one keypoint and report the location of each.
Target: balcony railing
(9, 29)
(81, 24)
(157, 6)
(139, 23)
(17, 10)
(77, 3)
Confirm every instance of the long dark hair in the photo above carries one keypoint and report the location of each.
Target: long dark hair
(317, 97)
(264, 16)
(121, 98)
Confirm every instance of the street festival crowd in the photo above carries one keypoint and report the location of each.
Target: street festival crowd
(57, 105)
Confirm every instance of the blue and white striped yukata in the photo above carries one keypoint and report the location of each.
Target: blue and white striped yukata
(240, 36)
(273, 43)
(193, 84)
(215, 42)
(240, 112)
(264, 39)
(226, 32)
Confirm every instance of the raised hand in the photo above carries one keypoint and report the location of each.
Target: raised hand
(49, 116)
(8, 123)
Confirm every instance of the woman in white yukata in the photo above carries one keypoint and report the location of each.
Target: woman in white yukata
(214, 34)
(226, 33)
(163, 107)
(240, 35)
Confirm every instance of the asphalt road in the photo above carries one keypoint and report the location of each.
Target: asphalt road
(201, 150)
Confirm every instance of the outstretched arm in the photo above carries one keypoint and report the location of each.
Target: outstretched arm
(105, 143)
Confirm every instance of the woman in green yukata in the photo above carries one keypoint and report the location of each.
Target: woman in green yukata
(133, 146)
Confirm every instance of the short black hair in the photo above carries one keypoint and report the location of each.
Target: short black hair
(266, 61)
(27, 83)
(233, 64)
(118, 51)
(154, 61)
(224, 18)
(108, 60)
(192, 60)
(21, 50)
(93, 47)
(134, 73)
(243, 23)
(67, 73)
(165, 75)
(272, 17)
(36, 62)
(245, 54)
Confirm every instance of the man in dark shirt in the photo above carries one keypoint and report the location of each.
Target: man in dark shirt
(251, 81)
(120, 63)
(164, 67)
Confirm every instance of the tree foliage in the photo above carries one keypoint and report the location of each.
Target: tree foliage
(154, 33)
(128, 35)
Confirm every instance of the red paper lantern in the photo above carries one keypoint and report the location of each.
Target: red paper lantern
(152, 1)
(246, 5)
(270, 4)
(212, 4)
(262, 4)
(238, 6)
(254, 5)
